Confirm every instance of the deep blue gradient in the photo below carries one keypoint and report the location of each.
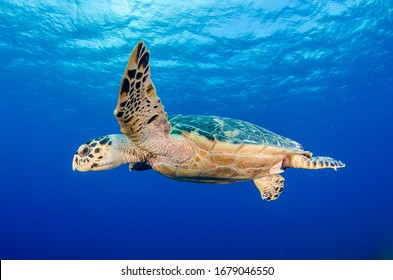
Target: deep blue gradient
(318, 72)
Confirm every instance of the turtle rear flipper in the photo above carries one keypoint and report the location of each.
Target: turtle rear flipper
(300, 161)
(270, 187)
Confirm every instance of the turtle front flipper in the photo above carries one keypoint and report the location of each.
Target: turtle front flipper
(300, 161)
(270, 187)
(139, 110)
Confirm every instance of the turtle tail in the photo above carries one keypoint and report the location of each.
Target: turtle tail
(301, 161)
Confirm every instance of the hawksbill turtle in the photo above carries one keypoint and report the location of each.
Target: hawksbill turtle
(203, 149)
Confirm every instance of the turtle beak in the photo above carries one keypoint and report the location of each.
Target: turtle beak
(77, 165)
(75, 162)
(81, 168)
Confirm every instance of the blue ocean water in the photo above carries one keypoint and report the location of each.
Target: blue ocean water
(318, 72)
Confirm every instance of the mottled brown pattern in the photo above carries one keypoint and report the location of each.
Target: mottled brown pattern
(300, 161)
(139, 110)
(140, 113)
(203, 149)
(270, 187)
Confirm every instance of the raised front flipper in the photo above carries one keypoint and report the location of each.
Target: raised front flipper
(270, 187)
(139, 110)
(141, 115)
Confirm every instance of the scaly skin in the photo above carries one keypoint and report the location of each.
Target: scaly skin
(204, 149)
(107, 152)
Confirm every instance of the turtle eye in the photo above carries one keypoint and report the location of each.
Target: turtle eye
(84, 151)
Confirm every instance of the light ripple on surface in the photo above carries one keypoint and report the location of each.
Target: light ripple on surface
(283, 47)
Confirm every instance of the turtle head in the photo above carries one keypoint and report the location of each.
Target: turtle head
(95, 155)
(105, 153)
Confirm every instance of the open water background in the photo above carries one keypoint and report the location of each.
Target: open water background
(318, 72)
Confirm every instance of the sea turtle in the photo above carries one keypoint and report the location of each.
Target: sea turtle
(203, 149)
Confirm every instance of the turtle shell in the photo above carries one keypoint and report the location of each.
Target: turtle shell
(231, 131)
